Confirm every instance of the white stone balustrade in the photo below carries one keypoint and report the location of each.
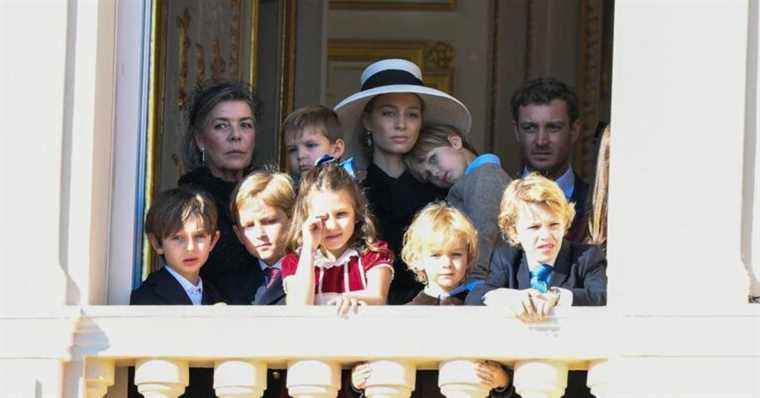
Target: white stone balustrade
(240, 378)
(313, 379)
(241, 343)
(540, 379)
(458, 379)
(390, 379)
(161, 377)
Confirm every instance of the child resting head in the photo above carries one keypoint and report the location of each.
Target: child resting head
(440, 156)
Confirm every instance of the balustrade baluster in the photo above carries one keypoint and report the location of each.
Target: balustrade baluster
(459, 379)
(240, 378)
(313, 379)
(540, 379)
(390, 379)
(161, 378)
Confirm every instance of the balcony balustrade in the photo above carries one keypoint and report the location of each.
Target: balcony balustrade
(314, 344)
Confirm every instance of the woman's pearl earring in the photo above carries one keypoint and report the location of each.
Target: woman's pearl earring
(203, 156)
(368, 138)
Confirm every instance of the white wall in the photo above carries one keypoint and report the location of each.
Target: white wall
(678, 117)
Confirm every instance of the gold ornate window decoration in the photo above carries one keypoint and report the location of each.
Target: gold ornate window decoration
(435, 58)
(394, 5)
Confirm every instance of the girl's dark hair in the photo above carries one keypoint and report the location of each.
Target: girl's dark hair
(332, 177)
(205, 97)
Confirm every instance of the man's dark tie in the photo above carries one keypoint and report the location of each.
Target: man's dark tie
(271, 274)
(539, 279)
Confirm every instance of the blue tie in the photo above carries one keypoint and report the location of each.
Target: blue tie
(539, 279)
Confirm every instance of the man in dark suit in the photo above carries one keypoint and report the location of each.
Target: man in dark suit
(546, 123)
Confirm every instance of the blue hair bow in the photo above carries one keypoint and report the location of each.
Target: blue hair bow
(347, 165)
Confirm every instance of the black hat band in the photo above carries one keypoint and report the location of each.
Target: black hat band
(389, 77)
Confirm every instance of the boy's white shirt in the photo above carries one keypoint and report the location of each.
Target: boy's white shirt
(433, 290)
(195, 293)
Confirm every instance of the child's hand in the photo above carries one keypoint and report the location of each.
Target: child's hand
(312, 232)
(521, 303)
(492, 374)
(359, 376)
(544, 302)
(346, 304)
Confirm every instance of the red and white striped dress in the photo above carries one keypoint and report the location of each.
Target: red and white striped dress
(348, 273)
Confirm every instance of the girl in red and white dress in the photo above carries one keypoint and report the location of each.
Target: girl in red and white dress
(339, 260)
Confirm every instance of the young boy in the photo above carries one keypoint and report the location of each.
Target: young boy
(439, 247)
(443, 157)
(261, 209)
(182, 228)
(540, 270)
(310, 133)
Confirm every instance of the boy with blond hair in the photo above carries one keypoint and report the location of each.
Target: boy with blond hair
(310, 133)
(538, 269)
(261, 209)
(439, 247)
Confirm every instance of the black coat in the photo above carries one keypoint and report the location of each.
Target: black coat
(394, 202)
(229, 259)
(161, 288)
(247, 287)
(579, 268)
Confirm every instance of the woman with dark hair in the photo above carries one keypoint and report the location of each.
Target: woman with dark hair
(382, 123)
(218, 153)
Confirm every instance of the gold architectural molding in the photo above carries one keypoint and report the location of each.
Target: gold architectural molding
(394, 5)
(436, 59)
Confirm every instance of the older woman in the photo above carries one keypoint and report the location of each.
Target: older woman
(382, 123)
(219, 145)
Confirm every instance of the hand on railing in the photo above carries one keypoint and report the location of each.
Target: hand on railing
(527, 305)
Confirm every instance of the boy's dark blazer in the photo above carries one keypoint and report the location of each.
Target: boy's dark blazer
(161, 288)
(579, 268)
(245, 285)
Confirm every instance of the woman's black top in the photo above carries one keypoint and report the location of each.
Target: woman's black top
(229, 256)
(394, 202)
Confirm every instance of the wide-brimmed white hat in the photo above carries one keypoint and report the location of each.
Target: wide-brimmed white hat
(398, 76)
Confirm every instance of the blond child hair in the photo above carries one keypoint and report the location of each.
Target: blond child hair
(436, 227)
(272, 187)
(533, 189)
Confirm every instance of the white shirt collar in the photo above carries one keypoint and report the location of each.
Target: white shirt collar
(322, 262)
(195, 293)
(433, 290)
(566, 181)
(264, 265)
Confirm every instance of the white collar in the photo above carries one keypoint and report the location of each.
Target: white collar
(186, 284)
(277, 264)
(433, 290)
(323, 262)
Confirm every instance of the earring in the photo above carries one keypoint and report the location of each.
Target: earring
(203, 156)
(368, 138)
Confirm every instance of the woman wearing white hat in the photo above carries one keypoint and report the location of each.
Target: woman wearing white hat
(381, 123)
